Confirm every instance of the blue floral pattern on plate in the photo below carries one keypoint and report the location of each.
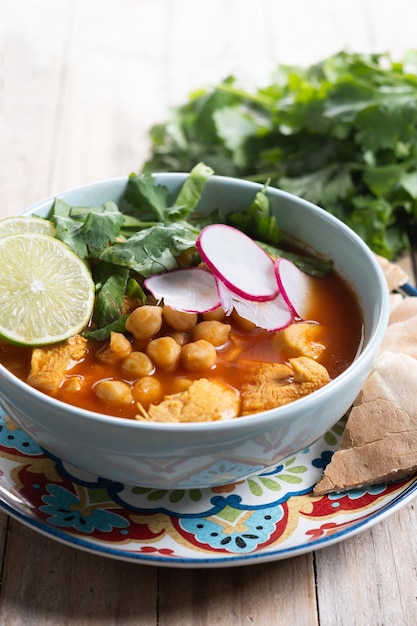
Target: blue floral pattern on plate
(270, 516)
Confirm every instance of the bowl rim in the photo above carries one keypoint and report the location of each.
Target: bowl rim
(259, 419)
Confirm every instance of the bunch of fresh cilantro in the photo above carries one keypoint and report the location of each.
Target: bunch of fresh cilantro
(146, 231)
(341, 133)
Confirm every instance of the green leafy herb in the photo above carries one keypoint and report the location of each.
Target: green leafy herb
(101, 334)
(146, 234)
(314, 266)
(109, 300)
(257, 221)
(151, 250)
(87, 231)
(143, 238)
(190, 193)
(341, 133)
(143, 194)
(134, 290)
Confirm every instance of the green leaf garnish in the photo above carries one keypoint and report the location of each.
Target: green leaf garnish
(151, 250)
(102, 334)
(334, 132)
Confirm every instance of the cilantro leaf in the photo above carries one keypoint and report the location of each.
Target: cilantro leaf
(234, 127)
(103, 236)
(382, 179)
(257, 220)
(190, 192)
(67, 229)
(142, 193)
(326, 185)
(341, 133)
(109, 299)
(152, 250)
(389, 121)
(101, 334)
(87, 231)
(101, 228)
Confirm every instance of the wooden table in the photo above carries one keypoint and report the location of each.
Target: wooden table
(83, 82)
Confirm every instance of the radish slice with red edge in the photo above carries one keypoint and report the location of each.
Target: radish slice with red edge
(192, 290)
(226, 297)
(225, 250)
(271, 315)
(294, 285)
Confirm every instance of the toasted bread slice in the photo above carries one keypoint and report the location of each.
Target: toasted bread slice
(379, 443)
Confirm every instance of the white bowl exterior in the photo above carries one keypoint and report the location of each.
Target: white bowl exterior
(209, 454)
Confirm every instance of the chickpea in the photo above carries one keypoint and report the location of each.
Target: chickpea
(144, 322)
(120, 344)
(212, 331)
(181, 384)
(216, 314)
(180, 338)
(114, 392)
(118, 347)
(179, 320)
(164, 352)
(186, 257)
(147, 390)
(136, 365)
(198, 355)
(73, 384)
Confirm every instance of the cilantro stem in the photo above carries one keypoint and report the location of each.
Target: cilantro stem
(258, 98)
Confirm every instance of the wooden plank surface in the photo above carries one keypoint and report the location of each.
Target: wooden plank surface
(258, 594)
(377, 590)
(50, 584)
(80, 85)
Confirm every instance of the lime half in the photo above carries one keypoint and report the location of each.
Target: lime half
(46, 291)
(29, 224)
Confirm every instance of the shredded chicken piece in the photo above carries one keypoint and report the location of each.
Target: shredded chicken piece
(117, 348)
(49, 365)
(202, 401)
(300, 339)
(276, 384)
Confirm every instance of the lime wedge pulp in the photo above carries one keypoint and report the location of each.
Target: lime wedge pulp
(46, 291)
(26, 224)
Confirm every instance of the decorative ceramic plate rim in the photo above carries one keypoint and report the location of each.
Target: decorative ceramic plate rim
(374, 505)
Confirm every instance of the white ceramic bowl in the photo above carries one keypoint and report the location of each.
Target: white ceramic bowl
(208, 454)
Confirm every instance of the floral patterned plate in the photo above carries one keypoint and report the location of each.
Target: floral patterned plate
(268, 517)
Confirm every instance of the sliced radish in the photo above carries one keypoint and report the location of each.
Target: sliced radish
(235, 259)
(193, 289)
(226, 297)
(267, 293)
(271, 315)
(294, 285)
